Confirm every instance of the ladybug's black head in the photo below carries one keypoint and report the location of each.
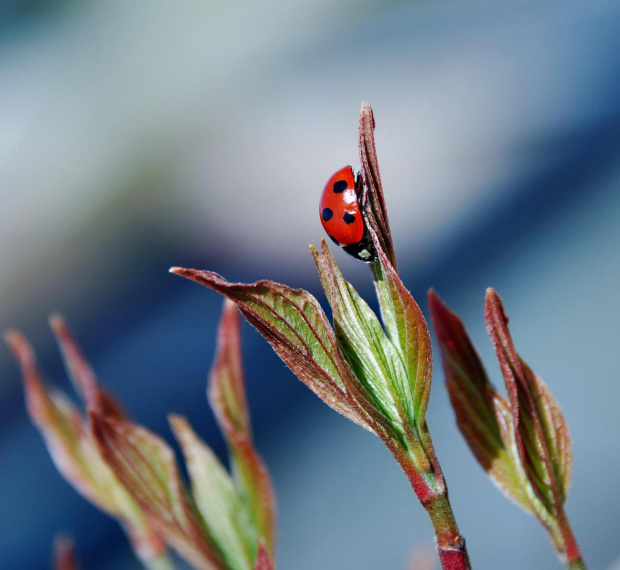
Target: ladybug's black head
(363, 250)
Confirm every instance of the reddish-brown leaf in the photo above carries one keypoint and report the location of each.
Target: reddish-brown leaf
(295, 325)
(482, 414)
(372, 199)
(61, 425)
(76, 455)
(541, 432)
(81, 372)
(227, 398)
(146, 467)
(226, 388)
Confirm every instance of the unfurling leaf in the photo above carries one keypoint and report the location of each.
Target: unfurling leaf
(227, 398)
(226, 388)
(62, 426)
(482, 414)
(145, 465)
(522, 443)
(402, 318)
(294, 323)
(369, 352)
(407, 329)
(403, 321)
(372, 200)
(216, 498)
(542, 434)
(75, 454)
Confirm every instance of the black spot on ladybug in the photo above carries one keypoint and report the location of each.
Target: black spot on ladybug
(327, 214)
(334, 240)
(340, 186)
(348, 218)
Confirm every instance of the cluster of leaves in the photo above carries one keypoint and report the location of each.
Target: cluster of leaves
(523, 444)
(376, 372)
(227, 521)
(378, 377)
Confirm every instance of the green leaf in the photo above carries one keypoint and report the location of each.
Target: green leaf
(216, 498)
(542, 434)
(145, 465)
(294, 324)
(556, 429)
(227, 398)
(371, 355)
(483, 416)
(407, 329)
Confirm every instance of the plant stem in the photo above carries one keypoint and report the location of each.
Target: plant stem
(570, 554)
(450, 543)
(434, 498)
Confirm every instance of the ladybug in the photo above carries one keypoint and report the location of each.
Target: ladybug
(341, 216)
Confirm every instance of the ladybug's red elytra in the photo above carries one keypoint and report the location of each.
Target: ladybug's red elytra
(341, 216)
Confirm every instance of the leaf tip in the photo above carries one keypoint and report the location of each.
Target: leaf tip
(366, 111)
(440, 313)
(57, 323)
(492, 298)
(434, 300)
(22, 350)
(324, 246)
(263, 561)
(494, 309)
(66, 341)
(491, 295)
(176, 420)
(230, 313)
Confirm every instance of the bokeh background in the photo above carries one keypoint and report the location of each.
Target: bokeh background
(136, 135)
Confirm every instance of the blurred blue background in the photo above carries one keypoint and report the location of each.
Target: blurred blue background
(137, 135)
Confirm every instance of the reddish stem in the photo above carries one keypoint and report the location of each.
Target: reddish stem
(434, 498)
(450, 543)
(453, 559)
(571, 554)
